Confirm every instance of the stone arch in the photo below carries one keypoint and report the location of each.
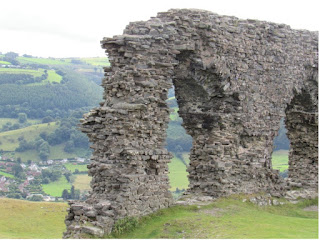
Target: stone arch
(233, 81)
(302, 125)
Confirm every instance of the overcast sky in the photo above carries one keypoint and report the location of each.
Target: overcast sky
(74, 28)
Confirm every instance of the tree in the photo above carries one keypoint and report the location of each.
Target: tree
(24, 146)
(44, 151)
(11, 55)
(36, 198)
(17, 170)
(44, 135)
(72, 192)
(69, 147)
(22, 117)
(47, 119)
(65, 194)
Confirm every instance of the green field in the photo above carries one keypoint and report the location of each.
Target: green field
(45, 61)
(56, 152)
(9, 140)
(82, 182)
(4, 62)
(35, 73)
(6, 174)
(174, 116)
(228, 218)
(24, 219)
(178, 175)
(224, 219)
(56, 188)
(280, 160)
(96, 61)
(72, 167)
(52, 77)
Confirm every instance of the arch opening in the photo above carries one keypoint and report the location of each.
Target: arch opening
(280, 155)
(179, 144)
(302, 125)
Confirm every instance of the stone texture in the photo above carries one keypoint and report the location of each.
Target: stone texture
(234, 80)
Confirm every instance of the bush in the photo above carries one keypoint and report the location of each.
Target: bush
(36, 198)
(14, 195)
(124, 225)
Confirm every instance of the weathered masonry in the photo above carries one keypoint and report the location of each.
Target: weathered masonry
(234, 79)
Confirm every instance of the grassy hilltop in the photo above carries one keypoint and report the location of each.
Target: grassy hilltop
(225, 218)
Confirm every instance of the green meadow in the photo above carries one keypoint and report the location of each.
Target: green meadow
(97, 61)
(6, 175)
(72, 167)
(35, 73)
(4, 63)
(45, 61)
(56, 188)
(10, 140)
(82, 182)
(178, 175)
(52, 75)
(280, 160)
(32, 220)
(227, 218)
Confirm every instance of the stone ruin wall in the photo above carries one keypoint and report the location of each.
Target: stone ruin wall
(234, 80)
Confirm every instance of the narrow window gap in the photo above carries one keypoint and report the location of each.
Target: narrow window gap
(280, 155)
(179, 144)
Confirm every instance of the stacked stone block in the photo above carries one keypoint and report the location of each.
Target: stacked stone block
(233, 78)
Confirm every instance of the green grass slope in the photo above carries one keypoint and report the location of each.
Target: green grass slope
(178, 175)
(24, 219)
(9, 140)
(228, 218)
(223, 219)
(280, 160)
